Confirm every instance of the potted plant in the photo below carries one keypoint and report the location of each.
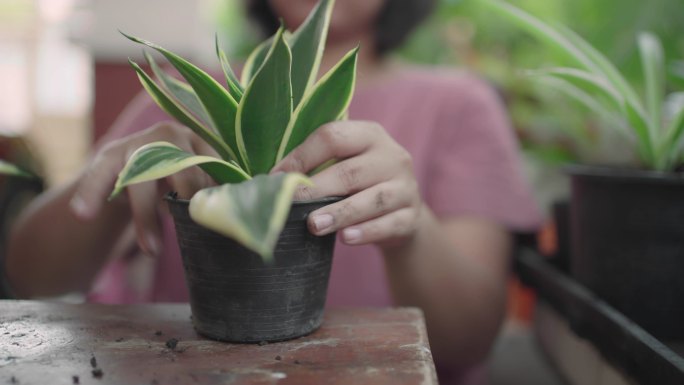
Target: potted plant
(249, 282)
(627, 239)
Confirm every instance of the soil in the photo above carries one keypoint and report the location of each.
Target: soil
(93, 362)
(158, 333)
(278, 358)
(297, 362)
(97, 373)
(120, 339)
(171, 343)
(263, 343)
(75, 380)
(14, 380)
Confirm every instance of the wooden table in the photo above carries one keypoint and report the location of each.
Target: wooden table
(55, 343)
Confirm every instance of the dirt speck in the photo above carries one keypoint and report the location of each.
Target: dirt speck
(171, 343)
(93, 362)
(158, 333)
(297, 362)
(14, 380)
(75, 380)
(278, 358)
(263, 343)
(120, 339)
(97, 373)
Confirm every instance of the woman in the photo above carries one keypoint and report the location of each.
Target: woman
(428, 160)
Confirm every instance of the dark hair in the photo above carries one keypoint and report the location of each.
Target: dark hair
(396, 21)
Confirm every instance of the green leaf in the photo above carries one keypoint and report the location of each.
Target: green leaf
(182, 92)
(181, 113)
(259, 133)
(232, 81)
(7, 168)
(585, 80)
(308, 43)
(161, 159)
(325, 103)
(220, 106)
(254, 61)
(588, 100)
(253, 212)
(653, 64)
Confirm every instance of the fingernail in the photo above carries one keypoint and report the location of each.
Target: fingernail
(351, 235)
(322, 222)
(152, 245)
(79, 207)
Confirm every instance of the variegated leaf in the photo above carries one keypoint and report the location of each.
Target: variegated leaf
(266, 109)
(7, 168)
(308, 43)
(252, 212)
(218, 102)
(324, 103)
(232, 81)
(158, 160)
(180, 112)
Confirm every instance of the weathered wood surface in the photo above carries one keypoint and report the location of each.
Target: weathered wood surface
(51, 343)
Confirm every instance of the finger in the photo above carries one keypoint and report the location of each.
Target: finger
(368, 204)
(350, 176)
(336, 140)
(187, 182)
(96, 183)
(396, 225)
(143, 200)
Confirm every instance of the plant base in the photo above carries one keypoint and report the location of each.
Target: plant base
(628, 244)
(236, 297)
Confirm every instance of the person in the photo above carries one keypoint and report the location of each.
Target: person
(428, 161)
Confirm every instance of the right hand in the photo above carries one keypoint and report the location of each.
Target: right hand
(97, 181)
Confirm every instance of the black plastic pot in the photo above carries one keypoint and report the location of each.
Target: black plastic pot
(627, 231)
(237, 297)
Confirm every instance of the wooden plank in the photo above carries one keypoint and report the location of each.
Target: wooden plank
(52, 342)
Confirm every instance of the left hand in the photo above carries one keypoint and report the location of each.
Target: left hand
(376, 173)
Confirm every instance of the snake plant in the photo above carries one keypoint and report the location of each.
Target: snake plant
(597, 83)
(251, 123)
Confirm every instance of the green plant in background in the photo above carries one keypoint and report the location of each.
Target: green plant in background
(251, 124)
(599, 85)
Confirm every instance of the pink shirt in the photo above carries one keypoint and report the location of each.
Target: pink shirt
(465, 157)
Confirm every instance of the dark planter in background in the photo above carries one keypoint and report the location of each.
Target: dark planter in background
(627, 231)
(236, 297)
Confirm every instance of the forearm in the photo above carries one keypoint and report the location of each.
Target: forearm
(51, 252)
(461, 290)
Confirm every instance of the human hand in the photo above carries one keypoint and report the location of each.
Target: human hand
(376, 173)
(97, 181)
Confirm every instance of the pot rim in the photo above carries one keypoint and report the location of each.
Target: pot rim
(171, 197)
(616, 173)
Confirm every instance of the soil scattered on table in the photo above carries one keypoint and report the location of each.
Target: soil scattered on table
(158, 333)
(278, 358)
(97, 373)
(263, 343)
(75, 380)
(171, 343)
(14, 380)
(93, 362)
(297, 362)
(120, 339)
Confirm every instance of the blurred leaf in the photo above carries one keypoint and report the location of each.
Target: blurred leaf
(7, 168)
(253, 212)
